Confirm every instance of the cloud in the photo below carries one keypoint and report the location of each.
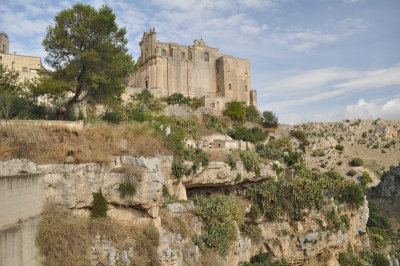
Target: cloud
(309, 80)
(374, 79)
(372, 110)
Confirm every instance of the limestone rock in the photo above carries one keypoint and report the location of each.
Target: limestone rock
(17, 166)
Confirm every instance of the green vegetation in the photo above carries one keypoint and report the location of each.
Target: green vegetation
(168, 198)
(263, 259)
(253, 135)
(99, 206)
(351, 172)
(252, 114)
(114, 117)
(231, 162)
(89, 61)
(365, 178)
(337, 223)
(274, 149)
(213, 124)
(251, 161)
(197, 156)
(356, 162)
(179, 169)
(251, 231)
(301, 136)
(350, 259)
(308, 191)
(220, 216)
(126, 189)
(378, 226)
(238, 178)
(364, 134)
(269, 119)
(236, 111)
(255, 212)
(339, 147)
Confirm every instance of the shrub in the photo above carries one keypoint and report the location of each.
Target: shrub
(255, 212)
(126, 189)
(231, 162)
(179, 169)
(301, 136)
(140, 116)
(99, 206)
(251, 161)
(293, 158)
(349, 259)
(253, 135)
(376, 219)
(114, 117)
(364, 134)
(238, 178)
(177, 98)
(213, 124)
(353, 195)
(351, 172)
(197, 156)
(365, 178)
(252, 114)
(356, 162)
(236, 111)
(251, 231)
(263, 259)
(269, 119)
(380, 260)
(61, 237)
(339, 147)
(220, 216)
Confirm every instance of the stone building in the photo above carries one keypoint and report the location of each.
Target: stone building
(197, 70)
(26, 66)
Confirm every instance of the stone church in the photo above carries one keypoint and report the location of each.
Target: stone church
(195, 71)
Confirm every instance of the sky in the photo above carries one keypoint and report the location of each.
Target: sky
(310, 60)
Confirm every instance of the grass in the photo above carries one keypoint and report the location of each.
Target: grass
(174, 224)
(91, 144)
(64, 239)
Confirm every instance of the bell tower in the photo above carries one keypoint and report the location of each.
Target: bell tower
(4, 43)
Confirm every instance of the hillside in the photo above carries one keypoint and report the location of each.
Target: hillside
(178, 186)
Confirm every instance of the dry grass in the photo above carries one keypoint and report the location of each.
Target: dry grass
(90, 144)
(64, 239)
(174, 224)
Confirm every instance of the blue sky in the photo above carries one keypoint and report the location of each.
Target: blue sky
(320, 60)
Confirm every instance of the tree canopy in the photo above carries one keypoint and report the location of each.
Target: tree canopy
(88, 53)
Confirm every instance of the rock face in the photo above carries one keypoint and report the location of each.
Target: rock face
(390, 185)
(220, 173)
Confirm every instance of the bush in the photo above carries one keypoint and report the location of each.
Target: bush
(339, 147)
(251, 231)
(179, 169)
(114, 117)
(177, 98)
(263, 259)
(252, 114)
(220, 216)
(231, 162)
(197, 156)
(349, 259)
(126, 189)
(253, 135)
(99, 206)
(353, 195)
(376, 219)
(255, 212)
(140, 116)
(269, 119)
(365, 178)
(356, 162)
(301, 136)
(236, 111)
(251, 161)
(351, 172)
(213, 124)
(380, 260)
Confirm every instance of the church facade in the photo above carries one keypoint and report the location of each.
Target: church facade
(197, 70)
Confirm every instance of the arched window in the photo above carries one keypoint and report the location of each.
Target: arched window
(230, 86)
(163, 53)
(206, 57)
(183, 56)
